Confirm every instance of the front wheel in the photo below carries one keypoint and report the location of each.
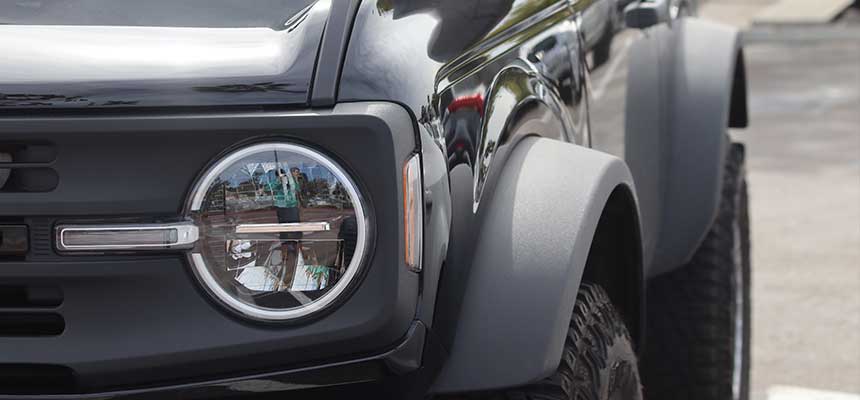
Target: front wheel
(598, 361)
(698, 340)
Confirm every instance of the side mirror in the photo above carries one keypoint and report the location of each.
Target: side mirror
(644, 14)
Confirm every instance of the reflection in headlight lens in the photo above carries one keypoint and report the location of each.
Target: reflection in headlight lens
(282, 231)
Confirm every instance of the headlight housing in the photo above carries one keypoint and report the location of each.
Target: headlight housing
(283, 231)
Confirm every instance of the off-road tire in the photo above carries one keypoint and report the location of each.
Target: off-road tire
(598, 362)
(692, 336)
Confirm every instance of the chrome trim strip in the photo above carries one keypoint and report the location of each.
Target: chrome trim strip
(187, 235)
(305, 227)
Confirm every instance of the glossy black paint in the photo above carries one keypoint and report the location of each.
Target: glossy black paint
(102, 67)
(476, 76)
(480, 77)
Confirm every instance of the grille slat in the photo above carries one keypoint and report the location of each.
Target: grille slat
(25, 311)
(17, 324)
(35, 153)
(21, 296)
(26, 167)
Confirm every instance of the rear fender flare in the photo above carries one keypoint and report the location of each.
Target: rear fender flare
(677, 145)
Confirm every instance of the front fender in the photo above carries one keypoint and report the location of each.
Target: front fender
(534, 234)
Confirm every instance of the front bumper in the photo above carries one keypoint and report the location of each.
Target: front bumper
(133, 321)
(402, 359)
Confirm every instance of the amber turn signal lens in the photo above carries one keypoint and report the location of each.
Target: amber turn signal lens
(413, 216)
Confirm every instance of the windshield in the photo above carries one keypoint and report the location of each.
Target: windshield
(165, 13)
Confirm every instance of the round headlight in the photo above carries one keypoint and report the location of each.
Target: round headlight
(283, 231)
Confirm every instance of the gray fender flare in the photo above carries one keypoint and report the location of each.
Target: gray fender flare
(533, 241)
(698, 77)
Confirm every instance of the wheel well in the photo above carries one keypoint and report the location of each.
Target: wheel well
(615, 259)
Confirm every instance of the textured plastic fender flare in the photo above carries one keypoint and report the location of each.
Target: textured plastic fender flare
(702, 92)
(535, 232)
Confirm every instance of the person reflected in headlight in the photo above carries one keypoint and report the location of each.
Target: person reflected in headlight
(285, 189)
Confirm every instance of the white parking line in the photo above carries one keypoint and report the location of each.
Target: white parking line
(796, 393)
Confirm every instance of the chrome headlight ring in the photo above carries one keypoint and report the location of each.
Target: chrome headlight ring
(249, 288)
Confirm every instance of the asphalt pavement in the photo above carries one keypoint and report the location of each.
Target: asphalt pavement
(804, 178)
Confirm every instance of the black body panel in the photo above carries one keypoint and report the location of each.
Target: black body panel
(129, 126)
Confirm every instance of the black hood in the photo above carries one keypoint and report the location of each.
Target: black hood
(107, 53)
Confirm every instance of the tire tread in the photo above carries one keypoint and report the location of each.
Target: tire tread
(689, 342)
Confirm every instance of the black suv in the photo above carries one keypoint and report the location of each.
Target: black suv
(514, 199)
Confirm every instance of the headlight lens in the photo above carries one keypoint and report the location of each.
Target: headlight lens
(283, 231)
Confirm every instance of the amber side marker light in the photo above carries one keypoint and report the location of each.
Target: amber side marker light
(413, 216)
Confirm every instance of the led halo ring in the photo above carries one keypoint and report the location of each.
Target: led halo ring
(203, 273)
